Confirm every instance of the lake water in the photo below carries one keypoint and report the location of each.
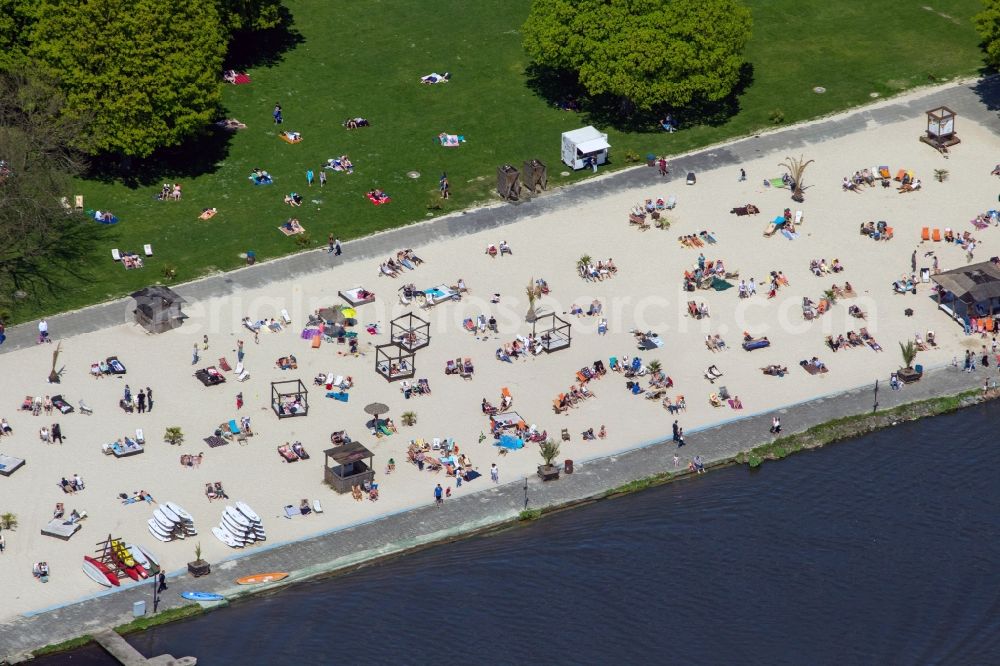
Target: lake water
(885, 549)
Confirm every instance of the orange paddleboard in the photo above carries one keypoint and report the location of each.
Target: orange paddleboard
(261, 578)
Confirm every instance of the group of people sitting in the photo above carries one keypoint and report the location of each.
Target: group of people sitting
(876, 230)
(137, 496)
(355, 123)
(292, 137)
(260, 177)
(786, 181)
(906, 284)
(271, 324)
(404, 259)
(191, 460)
(215, 491)
(598, 271)
(377, 196)
(852, 339)
(287, 362)
(775, 370)
(73, 486)
(592, 311)
(518, 347)
(293, 199)
(291, 405)
(819, 267)
(292, 226)
(131, 260)
(588, 434)
(495, 250)
(854, 182)
(342, 163)
(368, 488)
(168, 191)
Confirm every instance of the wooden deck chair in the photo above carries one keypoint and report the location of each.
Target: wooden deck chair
(900, 174)
(888, 233)
(505, 392)
(936, 235)
(925, 234)
(989, 324)
(78, 201)
(317, 341)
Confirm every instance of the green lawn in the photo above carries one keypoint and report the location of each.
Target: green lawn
(364, 59)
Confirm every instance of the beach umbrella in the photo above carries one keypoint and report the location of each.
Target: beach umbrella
(375, 409)
(332, 315)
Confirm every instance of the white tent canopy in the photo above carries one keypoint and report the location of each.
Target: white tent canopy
(579, 146)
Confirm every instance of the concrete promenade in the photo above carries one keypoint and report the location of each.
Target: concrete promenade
(494, 505)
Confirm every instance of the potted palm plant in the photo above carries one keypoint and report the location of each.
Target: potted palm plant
(549, 451)
(199, 567)
(533, 292)
(909, 373)
(409, 418)
(173, 435)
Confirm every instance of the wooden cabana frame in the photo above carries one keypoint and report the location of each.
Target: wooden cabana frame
(291, 388)
(394, 362)
(552, 332)
(410, 332)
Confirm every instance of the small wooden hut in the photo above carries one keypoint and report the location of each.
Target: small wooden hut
(508, 183)
(158, 309)
(535, 176)
(344, 466)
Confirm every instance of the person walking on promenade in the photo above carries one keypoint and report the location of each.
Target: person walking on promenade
(438, 495)
(163, 582)
(775, 425)
(43, 331)
(277, 114)
(329, 244)
(495, 473)
(336, 247)
(322, 178)
(239, 400)
(309, 177)
(663, 166)
(743, 174)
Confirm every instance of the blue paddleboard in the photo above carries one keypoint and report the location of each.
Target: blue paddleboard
(202, 596)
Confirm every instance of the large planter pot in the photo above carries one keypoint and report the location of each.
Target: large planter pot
(548, 472)
(199, 568)
(909, 375)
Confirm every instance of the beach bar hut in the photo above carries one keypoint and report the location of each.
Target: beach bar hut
(410, 331)
(552, 332)
(158, 309)
(289, 398)
(348, 465)
(970, 293)
(394, 362)
(578, 146)
(941, 129)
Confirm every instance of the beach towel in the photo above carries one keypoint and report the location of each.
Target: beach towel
(777, 182)
(510, 442)
(377, 202)
(450, 140)
(472, 475)
(241, 78)
(719, 284)
(341, 396)
(788, 234)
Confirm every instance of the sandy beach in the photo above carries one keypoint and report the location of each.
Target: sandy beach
(645, 294)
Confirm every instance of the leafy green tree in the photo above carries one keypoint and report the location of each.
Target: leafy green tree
(988, 26)
(650, 52)
(148, 70)
(16, 19)
(41, 243)
(247, 15)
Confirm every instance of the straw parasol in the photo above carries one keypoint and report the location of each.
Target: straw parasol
(375, 409)
(332, 315)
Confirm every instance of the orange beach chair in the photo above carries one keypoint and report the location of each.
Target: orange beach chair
(317, 341)
(925, 234)
(937, 236)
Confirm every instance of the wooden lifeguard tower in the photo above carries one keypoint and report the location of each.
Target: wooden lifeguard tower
(941, 130)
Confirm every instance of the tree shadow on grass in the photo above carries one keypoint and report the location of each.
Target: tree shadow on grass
(263, 48)
(197, 156)
(558, 87)
(64, 264)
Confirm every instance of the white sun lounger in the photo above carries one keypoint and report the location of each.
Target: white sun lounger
(285, 318)
(317, 507)
(148, 249)
(139, 436)
(116, 255)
